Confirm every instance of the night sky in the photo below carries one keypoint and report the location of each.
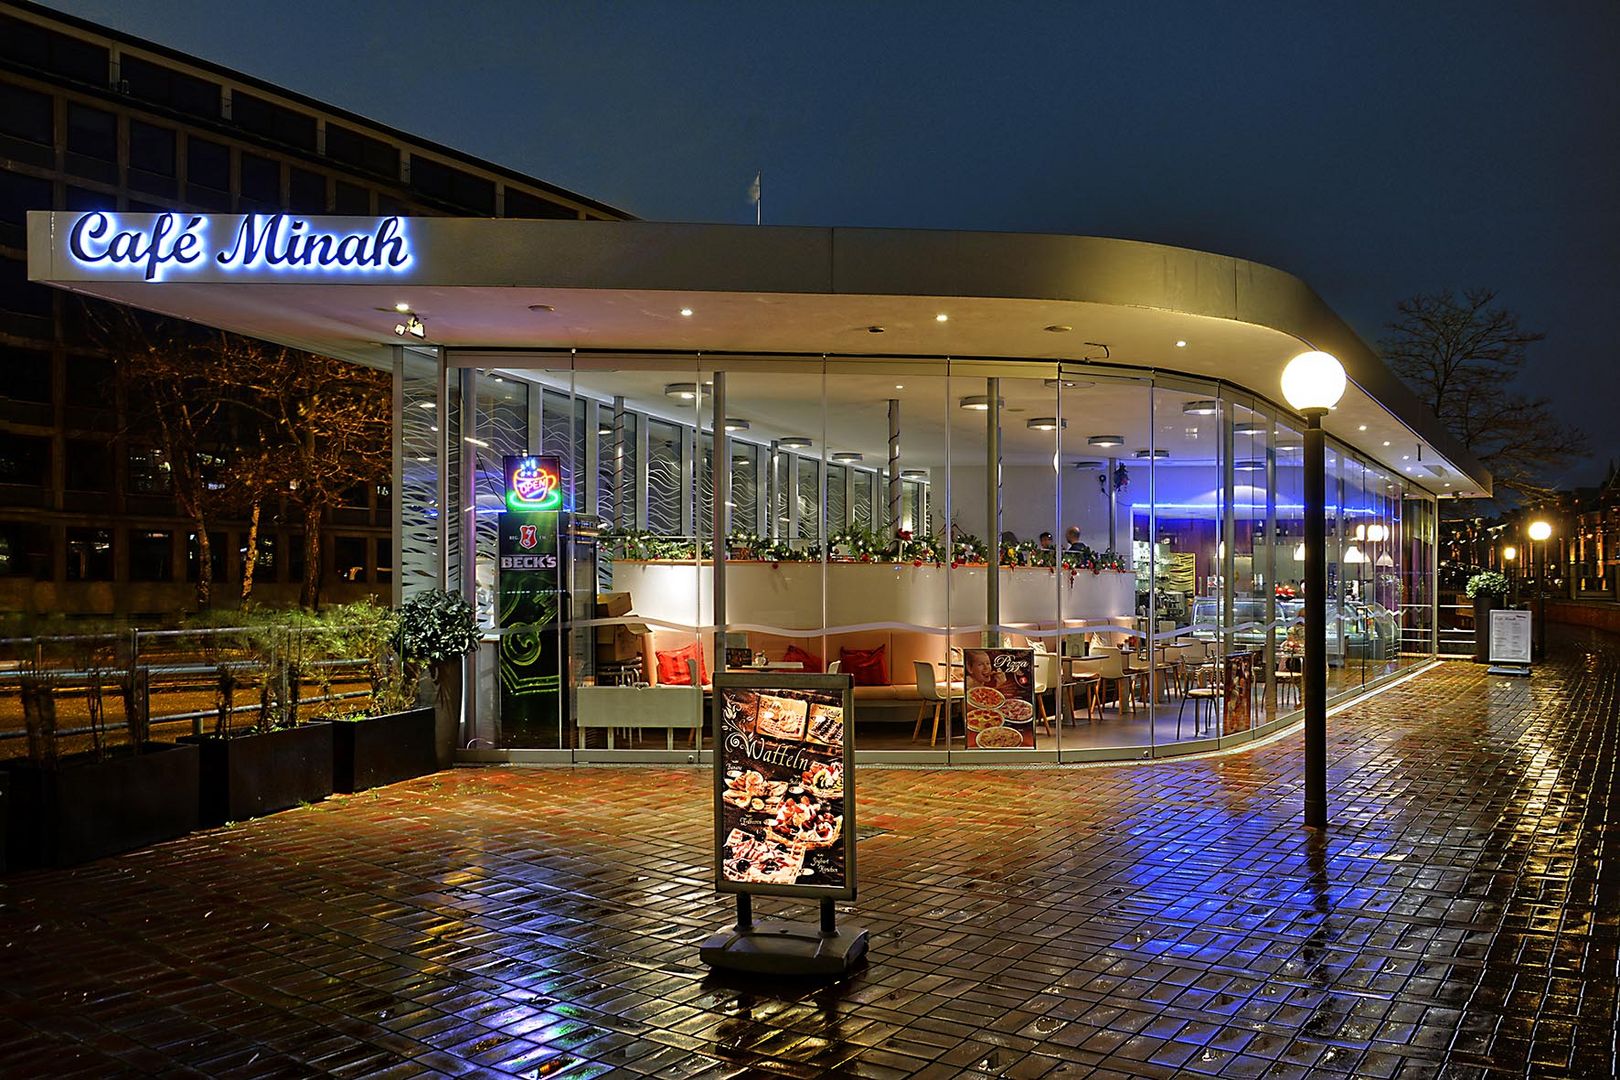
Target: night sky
(1375, 152)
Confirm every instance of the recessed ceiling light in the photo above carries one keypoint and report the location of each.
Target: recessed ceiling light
(1248, 427)
(875, 329)
(1202, 407)
(1181, 344)
(1406, 457)
(686, 313)
(1106, 440)
(1249, 465)
(1067, 384)
(845, 457)
(794, 442)
(979, 402)
(1088, 464)
(1153, 453)
(1386, 442)
(402, 307)
(1057, 328)
(1363, 427)
(914, 474)
(541, 308)
(426, 405)
(942, 317)
(734, 423)
(604, 429)
(1046, 423)
(899, 386)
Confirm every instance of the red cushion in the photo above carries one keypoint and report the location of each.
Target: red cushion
(867, 667)
(810, 660)
(672, 669)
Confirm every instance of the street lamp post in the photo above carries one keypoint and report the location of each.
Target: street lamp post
(1540, 531)
(1509, 554)
(1312, 383)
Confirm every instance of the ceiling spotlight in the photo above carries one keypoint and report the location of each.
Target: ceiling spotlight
(734, 423)
(541, 308)
(686, 391)
(1106, 440)
(913, 474)
(1153, 453)
(426, 405)
(1248, 427)
(1045, 423)
(979, 402)
(686, 313)
(1181, 344)
(1386, 442)
(1363, 427)
(845, 457)
(1067, 384)
(942, 317)
(875, 329)
(1202, 407)
(412, 326)
(402, 307)
(1057, 328)
(794, 442)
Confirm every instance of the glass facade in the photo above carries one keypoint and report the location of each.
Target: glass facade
(1139, 530)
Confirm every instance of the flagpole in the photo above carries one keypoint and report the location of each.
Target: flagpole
(759, 199)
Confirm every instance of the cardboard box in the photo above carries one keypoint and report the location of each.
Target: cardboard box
(612, 605)
(617, 643)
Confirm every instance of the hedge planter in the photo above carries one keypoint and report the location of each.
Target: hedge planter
(377, 750)
(248, 776)
(84, 809)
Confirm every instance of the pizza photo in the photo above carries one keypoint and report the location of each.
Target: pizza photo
(1000, 738)
(979, 719)
(1017, 711)
(985, 697)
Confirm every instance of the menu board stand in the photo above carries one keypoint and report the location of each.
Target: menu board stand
(785, 820)
(1510, 642)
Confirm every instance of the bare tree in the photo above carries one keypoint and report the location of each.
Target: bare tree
(1464, 355)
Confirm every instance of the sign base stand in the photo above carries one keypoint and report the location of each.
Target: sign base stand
(782, 947)
(1522, 670)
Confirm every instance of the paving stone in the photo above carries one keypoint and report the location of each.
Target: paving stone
(1460, 918)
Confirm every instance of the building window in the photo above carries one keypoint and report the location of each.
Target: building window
(216, 556)
(273, 121)
(352, 199)
(261, 183)
(25, 550)
(25, 459)
(27, 116)
(89, 554)
(361, 151)
(208, 165)
(36, 47)
(92, 133)
(149, 471)
(264, 567)
(521, 204)
(87, 465)
(152, 158)
(28, 375)
(664, 478)
(168, 87)
(349, 558)
(151, 555)
(306, 191)
(452, 185)
(21, 296)
(20, 194)
(84, 200)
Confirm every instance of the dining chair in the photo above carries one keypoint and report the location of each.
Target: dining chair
(928, 688)
(1085, 671)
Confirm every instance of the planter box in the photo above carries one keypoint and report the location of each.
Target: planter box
(382, 749)
(85, 809)
(249, 776)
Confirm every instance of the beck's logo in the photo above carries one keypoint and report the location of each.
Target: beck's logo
(527, 537)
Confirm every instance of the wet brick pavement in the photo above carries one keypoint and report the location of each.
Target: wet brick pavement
(1461, 919)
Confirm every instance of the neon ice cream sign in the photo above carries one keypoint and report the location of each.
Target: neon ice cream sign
(283, 243)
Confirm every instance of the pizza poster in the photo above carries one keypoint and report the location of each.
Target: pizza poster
(783, 815)
(998, 698)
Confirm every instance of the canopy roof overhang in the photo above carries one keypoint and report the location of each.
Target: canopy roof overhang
(481, 283)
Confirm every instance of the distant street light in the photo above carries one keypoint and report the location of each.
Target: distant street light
(1509, 554)
(1313, 383)
(1540, 531)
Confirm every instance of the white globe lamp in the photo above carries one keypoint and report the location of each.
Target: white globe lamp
(1313, 381)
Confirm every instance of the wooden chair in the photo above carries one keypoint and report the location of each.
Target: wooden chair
(1085, 671)
(1290, 679)
(1113, 667)
(1046, 669)
(929, 690)
(1205, 688)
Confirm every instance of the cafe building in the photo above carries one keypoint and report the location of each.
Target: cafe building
(862, 450)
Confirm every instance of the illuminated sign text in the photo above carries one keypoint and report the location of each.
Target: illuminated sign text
(174, 243)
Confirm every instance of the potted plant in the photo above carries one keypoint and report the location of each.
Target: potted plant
(389, 738)
(283, 758)
(116, 795)
(1486, 590)
(436, 630)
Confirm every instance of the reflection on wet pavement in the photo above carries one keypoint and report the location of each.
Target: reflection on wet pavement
(1461, 918)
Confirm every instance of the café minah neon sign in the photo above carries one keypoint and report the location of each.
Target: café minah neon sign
(282, 243)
